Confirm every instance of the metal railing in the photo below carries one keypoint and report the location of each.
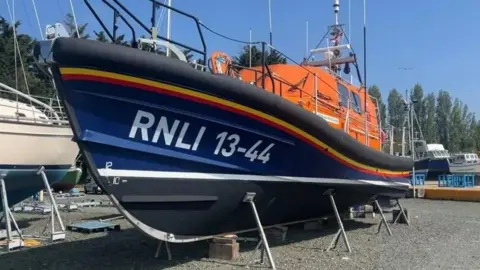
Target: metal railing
(20, 107)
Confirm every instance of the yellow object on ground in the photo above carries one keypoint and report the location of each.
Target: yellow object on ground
(433, 192)
(32, 243)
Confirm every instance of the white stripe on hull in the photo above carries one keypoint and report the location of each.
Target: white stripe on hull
(246, 177)
(31, 144)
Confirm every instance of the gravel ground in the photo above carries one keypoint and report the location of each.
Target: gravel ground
(443, 235)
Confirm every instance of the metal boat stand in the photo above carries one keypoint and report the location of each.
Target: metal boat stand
(383, 220)
(12, 242)
(159, 248)
(54, 235)
(263, 243)
(341, 230)
(402, 213)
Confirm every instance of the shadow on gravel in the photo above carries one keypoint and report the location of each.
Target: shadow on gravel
(22, 223)
(129, 249)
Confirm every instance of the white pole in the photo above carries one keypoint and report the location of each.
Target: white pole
(306, 41)
(270, 19)
(250, 49)
(350, 30)
(169, 14)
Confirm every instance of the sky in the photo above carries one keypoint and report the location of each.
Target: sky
(435, 40)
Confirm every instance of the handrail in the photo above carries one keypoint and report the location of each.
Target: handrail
(17, 92)
(195, 19)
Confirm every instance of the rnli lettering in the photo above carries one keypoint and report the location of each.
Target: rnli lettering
(170, 131)
(228, 144)
(173, 132)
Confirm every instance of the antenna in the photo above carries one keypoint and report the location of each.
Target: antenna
(270, 20)
(365, 69)
(306, 41)
(350, 30)
(336, 8)
(365, 50)
(250, 49)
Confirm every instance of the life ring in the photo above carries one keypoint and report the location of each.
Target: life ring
(221, 64)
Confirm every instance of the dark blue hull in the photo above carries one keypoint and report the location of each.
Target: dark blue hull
(178, 162)
(22, 183)
(433, 167)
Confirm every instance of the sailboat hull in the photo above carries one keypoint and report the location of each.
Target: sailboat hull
(25, 148)
(178, 160)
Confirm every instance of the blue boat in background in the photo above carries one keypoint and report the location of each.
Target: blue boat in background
(431, 160)
(32, 135)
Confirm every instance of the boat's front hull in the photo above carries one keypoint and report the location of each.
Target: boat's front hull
(176, 176)
(178, 161)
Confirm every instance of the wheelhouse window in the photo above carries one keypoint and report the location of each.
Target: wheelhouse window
(343, 92)
(357, 103)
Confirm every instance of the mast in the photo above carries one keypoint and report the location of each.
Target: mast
(306, 41)
(270, 20)
(336, 8)
(365, 67)
(250, 49)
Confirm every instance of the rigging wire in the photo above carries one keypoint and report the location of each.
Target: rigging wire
(74, 18)
(38, 19)
(17, 48)
(229, 38)
(161, 15)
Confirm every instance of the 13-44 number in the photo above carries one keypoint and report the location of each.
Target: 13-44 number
(232, 146)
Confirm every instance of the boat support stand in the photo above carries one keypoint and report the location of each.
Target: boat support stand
(54, 235)
(263, 243)
(159, 248)
(402, 213)
(341, 230)
(383, 220)
(11, 241)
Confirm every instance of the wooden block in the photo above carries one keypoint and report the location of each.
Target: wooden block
(226, 239)
(224, 251)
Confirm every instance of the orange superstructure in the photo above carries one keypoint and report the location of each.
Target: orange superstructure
(317, 90)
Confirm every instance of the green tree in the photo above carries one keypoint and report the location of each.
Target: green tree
(374, 91)
(429, 124)
(396, 115)
(418, 106)
(72, 29)
(271, 57)
(443, 112)
(456, 125)
(102, 36)
(11, 58)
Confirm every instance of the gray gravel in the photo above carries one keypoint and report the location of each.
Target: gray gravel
(443, 235)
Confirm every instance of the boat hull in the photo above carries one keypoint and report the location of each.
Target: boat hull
(432, 167)
(68, 181)
(465, 168)
(178, 161)
(25, 148)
